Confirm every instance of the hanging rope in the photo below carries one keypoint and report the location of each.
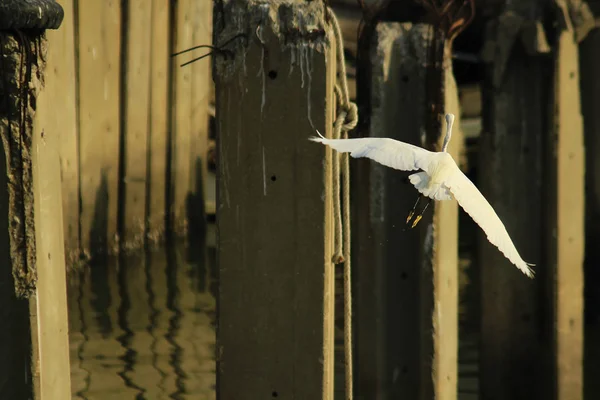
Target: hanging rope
(346, 120)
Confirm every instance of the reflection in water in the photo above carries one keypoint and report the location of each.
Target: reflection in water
(142, 327)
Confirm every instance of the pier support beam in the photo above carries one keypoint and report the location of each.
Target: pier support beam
(406, 290)
(274, 86)
(532, 172)
(515, 122)
(589, 58)
(566, 239)
(34, 348)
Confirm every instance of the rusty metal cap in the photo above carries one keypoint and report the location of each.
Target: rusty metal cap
(30, 14)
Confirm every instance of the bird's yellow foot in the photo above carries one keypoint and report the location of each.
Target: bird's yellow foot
(410, 215)
(416, 221)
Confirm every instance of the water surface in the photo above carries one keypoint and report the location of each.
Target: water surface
(142, 327)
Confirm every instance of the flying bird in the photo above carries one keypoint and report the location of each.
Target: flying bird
(439, 179)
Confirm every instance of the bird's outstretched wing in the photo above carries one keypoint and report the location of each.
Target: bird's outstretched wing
(389, 152)
(474, 204)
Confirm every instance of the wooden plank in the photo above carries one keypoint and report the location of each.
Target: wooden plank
(61, 81)
(201, 81)
(49, 308)
(401, 291)
(445, 257)
(516, 328)
(136, 90)
(275, 204)
(567, 218)
(589, 58)
(159, 120)
(181, 130)
(99, 32)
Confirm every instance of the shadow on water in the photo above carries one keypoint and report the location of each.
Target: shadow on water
(142, 326)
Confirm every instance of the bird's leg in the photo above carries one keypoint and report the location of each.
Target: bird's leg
(412, 212)
(420, 214)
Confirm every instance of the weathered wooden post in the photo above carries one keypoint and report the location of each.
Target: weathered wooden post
(567, 208)
(532, 173)
(275, 75)
(34, 340)
(159, 126)
(189, 130)
(61, 80)
(145, 138)
(590, 98)
(407, 290)
(135, 121)
(99, 105)
(589, 58)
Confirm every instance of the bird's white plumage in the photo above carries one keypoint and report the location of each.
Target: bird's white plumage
(436, 191)
(389, 152)
(477, 206)
(441, 179)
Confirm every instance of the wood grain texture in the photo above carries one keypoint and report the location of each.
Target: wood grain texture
(181, 124)
(589, 58)
(99, 32)
(201, 81)
(274, 212)
(61, 82)
(159, 120)
(50, 313)
(136, 91)
(445, 258)
(567, 220)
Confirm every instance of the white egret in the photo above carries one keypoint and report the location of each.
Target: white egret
(440, 179)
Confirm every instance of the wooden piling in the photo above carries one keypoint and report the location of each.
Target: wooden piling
(136, 106)
(61, 80)
(189, 132)
(406, 293)
(566, 218)
(590, 91)
(133, 161)
(531, 152)
(48, 308)
(98, 30)
(201, 84)
(274, 208)
(159, 121)
(511, 157)
(34, 342)
(589, 58)
(181, 128)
